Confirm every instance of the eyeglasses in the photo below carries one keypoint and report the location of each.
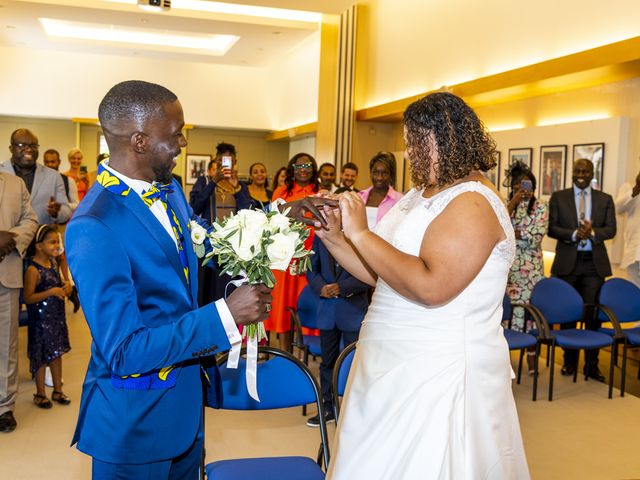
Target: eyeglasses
(21, 146)
(300, 166)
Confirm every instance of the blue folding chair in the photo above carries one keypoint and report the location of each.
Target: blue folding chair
(305, 316)
(519, 341)
(619, 303)
(555, 302)
(340, 374)
(283, 382)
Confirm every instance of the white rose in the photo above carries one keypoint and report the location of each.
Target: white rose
(254, 219)
(281, 251)
(198, 233)
(279, 222)
(246, 243)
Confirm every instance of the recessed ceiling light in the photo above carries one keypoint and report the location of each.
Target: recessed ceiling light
(237, 9)
(153, 38)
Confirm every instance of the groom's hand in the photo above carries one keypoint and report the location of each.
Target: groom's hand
(249, 304)
(312, 205)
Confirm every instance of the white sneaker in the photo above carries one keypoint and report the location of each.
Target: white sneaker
(48, 379)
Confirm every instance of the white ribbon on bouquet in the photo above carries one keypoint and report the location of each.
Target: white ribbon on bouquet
(251, 372)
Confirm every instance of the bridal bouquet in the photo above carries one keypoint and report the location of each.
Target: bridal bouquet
(252, 243)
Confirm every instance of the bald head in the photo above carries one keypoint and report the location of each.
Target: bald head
(129, 105)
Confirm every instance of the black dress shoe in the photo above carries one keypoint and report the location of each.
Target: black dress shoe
(595, 373)
(568, 370)
(7, 422)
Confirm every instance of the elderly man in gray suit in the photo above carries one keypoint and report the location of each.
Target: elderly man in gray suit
(18, 223)
(48, 197)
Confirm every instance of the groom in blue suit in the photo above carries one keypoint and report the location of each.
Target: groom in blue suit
(130, 253)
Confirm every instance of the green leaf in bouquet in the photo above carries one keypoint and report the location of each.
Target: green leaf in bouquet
(199, 250)
(232, 233)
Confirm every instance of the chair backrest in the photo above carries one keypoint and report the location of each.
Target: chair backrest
(507, 309)
(558, 301)
(308, 308)
(282, 381)
(623, 297)
(342, 368)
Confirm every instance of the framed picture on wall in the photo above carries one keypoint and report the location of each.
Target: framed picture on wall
(595, 153)
(196, 165)
(494, 174)
(520, 155)
(553, 164)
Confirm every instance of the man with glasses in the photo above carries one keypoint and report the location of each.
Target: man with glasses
(48, 197)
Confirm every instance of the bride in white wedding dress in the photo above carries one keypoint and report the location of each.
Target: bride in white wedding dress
(429, 393)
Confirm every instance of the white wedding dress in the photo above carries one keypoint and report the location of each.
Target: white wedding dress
(429, 393)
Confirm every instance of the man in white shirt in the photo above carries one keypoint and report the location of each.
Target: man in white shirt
(628, 205)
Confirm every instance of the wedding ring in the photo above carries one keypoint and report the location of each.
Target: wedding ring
(267, 307)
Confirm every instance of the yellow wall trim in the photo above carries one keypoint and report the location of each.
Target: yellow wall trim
(606, 64)
(289, 133)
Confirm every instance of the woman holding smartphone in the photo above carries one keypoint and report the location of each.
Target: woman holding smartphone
(530, 219)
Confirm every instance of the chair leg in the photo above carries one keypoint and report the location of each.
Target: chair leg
(552, 367)
(614, 354)
(535, 373)
(624, 368)
(575, 373)
(548, 346)
(520, 366)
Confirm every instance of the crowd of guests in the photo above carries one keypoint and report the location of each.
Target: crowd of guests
(38, 201)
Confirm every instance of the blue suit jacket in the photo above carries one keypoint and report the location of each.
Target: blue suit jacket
(145, 326)
(348, 310)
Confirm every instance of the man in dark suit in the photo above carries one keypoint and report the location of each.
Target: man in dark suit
(581, 219)
(342, 303)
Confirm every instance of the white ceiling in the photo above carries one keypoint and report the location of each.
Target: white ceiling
(262, 40)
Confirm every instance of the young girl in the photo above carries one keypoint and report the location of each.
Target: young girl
(44, 294)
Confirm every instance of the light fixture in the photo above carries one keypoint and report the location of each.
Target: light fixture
(208, 44)
(579, 118)
(236, 9)
(155, 5)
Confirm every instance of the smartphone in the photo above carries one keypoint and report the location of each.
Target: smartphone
(227, 163)
(83, 169)
(526, 186)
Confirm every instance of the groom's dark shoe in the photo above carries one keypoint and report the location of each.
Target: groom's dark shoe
(315, 420)
(7, 422)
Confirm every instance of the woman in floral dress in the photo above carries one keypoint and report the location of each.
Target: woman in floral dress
(530, 219)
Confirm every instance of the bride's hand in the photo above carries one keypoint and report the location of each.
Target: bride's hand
(332, 233)
(354, 215)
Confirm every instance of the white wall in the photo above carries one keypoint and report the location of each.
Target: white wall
(50, 84)
(413, 46)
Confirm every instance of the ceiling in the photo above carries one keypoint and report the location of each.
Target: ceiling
(261, 40)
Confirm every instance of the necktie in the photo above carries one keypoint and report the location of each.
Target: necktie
(582, 213)
(157, 192)
(161, 192)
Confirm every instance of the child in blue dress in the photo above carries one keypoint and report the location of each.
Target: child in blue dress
(44, 294)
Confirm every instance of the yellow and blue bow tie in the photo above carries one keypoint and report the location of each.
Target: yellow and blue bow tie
(157, 192)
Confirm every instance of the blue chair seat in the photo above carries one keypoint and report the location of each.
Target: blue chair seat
(519, 340)
(633, 334)
(574, 338)
(281, 468)
(313, 342)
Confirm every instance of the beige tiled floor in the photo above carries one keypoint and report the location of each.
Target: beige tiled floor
(580, 435)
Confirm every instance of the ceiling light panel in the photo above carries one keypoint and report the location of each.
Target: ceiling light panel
(237, 9)
(209, 44)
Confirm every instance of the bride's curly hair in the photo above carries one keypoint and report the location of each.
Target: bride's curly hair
(462, 143)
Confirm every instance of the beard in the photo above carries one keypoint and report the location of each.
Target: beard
(162, 173)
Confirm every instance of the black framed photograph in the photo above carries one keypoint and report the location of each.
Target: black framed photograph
(494, 174)
(553, 165)
(595, 153)
(196, 166)
(520, 155)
